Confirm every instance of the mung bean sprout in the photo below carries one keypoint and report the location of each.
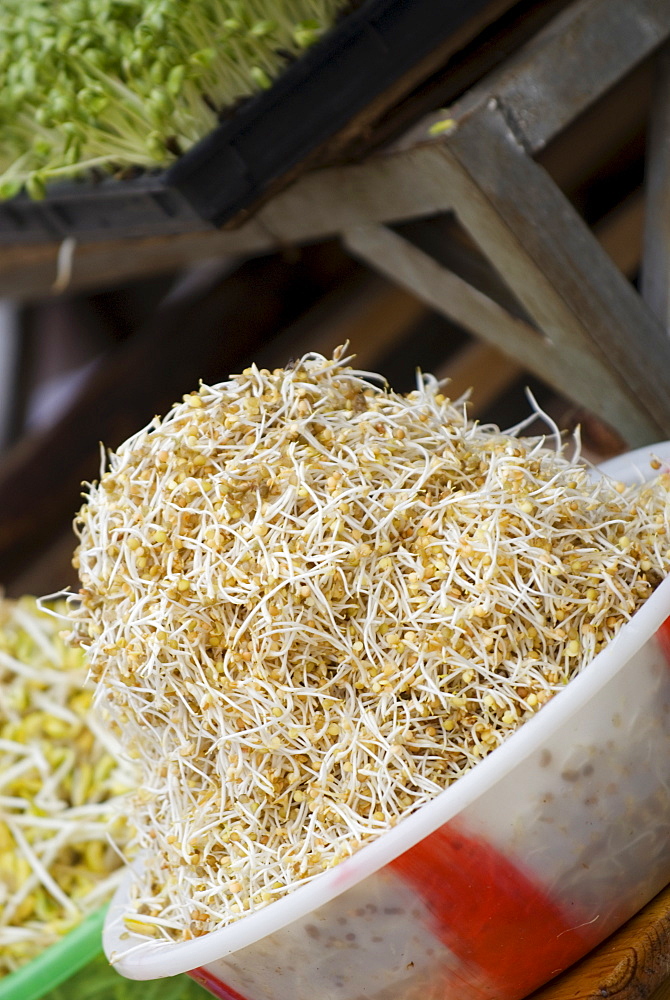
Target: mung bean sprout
(60, 788)
(312, 603)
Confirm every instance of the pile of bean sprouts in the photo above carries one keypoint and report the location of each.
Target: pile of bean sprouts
(312, 603)
(60, 788)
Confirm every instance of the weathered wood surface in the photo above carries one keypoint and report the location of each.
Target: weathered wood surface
(558, 271)
(572, 62)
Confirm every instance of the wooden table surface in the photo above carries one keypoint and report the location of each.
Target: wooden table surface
(632, 964)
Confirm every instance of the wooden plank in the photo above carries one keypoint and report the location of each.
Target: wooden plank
(571, 63)
(29, 272)
(456, 75)
(629, 965)
(411, 267)
(354, 140)
(316, 207)
(557, 269)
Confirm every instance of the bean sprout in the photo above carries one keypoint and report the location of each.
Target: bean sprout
(59, 789)
(312, 603)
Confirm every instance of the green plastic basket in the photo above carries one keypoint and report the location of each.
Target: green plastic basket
(75, 968)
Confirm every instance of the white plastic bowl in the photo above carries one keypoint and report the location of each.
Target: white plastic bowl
(506, 878)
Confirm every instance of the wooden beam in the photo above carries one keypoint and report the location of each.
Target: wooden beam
(315, 208)
(559, 272)
(569, 65)
(570, 368)
(417, 271)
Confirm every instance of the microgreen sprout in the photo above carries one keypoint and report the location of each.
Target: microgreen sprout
(312, 603)
(110, 84)
(60, 788)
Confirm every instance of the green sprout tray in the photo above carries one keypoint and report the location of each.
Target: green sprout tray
(264, 141)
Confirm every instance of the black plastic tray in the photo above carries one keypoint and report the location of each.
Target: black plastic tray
(265, 139)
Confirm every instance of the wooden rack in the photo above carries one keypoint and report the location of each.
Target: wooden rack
(576, 321)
